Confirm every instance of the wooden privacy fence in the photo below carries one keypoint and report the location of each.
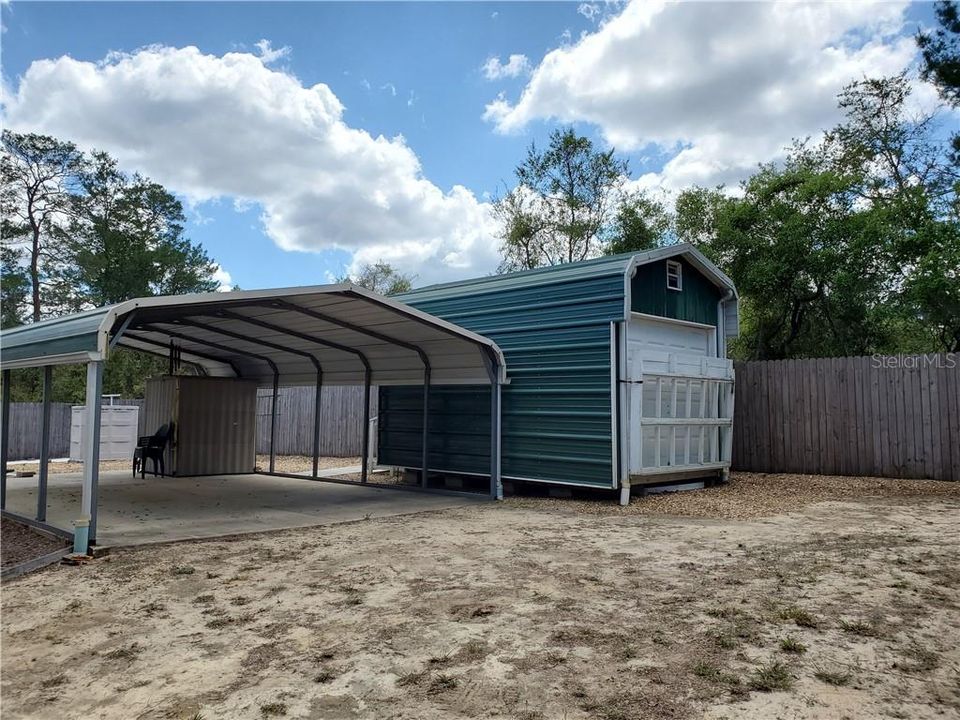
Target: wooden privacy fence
(341, 418)
(341, 415)
(26, 420)
(888, 416)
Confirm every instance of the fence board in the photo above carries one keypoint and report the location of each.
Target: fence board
(341, 418)
(894, 417)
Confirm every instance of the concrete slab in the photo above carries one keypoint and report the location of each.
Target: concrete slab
(136, 512)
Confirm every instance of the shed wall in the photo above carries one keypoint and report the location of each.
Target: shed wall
(557, 406)
(696, 302)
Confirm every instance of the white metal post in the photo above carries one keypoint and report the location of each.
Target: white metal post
(44, 444)
(86, 526)
(4, 437)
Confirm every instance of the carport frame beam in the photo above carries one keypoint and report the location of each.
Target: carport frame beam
(43, 470)
(4, 436)
(86, 526)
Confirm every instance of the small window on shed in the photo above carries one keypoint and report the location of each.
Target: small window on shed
(674, 275)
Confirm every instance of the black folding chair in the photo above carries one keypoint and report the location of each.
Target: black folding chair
(152, 447)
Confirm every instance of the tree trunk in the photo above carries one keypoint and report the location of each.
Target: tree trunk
(35, 272)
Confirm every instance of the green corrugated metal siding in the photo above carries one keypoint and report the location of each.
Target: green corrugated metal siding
(553, 326)
(696, 302)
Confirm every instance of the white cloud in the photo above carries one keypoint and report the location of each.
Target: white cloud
(231, 127)
(722, 85)
(515, 66)
(390, 88)
(268, 55)
(223, 277)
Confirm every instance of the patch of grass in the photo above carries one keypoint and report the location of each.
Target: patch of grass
(790, 644)
(859, 627)
(325, 676)
(273, 709)
(442, 683)
(725, 612)
(837, 678)
(772, 676)
(152, 608)
(218, 623)
(725, 640)
(800, 617)
(128, 652)
(706, 670)
(197, 716)
(412, 678)
(55, 681)
(204, 599)
(919, 660)
(183, 570)
(714, 673)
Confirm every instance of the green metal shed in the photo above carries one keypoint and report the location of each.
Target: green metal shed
(617, 374)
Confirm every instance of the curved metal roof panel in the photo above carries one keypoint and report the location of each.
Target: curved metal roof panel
(340, 330)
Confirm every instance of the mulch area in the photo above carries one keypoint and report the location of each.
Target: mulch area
(19, 543)
(752, 495)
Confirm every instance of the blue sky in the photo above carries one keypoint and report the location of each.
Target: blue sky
(415, 70)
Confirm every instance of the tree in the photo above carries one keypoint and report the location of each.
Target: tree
(380, 277)
(640, 222)
(127, 238)
(562, 201)
(941, 60)
(36, 173)
(851, 245)
(78, 232)
(14, 287)
(941, 52)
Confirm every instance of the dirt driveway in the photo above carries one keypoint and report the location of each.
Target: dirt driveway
(527, 609)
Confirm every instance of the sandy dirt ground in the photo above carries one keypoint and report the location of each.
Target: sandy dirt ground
(843, 608)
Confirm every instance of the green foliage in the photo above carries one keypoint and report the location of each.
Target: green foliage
(36, 173)
(381, 277)
(941, 52)
(849, 246)
(563, 199)
(126, 235)
(79, 233)
(640, 223)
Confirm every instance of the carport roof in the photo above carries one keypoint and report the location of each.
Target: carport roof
(341, 330)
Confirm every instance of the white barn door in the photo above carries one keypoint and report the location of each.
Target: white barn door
(680, 393)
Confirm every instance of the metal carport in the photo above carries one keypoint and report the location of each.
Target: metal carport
(334, 334)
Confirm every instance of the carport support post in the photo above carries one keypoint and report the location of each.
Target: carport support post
(496, 486)
(273, 421)
(316, 424)
(365, 460)
(85, 531)
(426, 426)
(44, 444)
(4, 437)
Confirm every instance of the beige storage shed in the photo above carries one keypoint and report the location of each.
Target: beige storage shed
(215, 423)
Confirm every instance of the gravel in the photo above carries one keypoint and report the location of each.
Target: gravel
(18, 543)
(752, 495)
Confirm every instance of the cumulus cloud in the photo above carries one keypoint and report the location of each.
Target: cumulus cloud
(268, 54)
(211, 127)
(515, 66)
(223, 277)
(722, 85)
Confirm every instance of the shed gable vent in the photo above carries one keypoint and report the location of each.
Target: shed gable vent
(674, 275)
